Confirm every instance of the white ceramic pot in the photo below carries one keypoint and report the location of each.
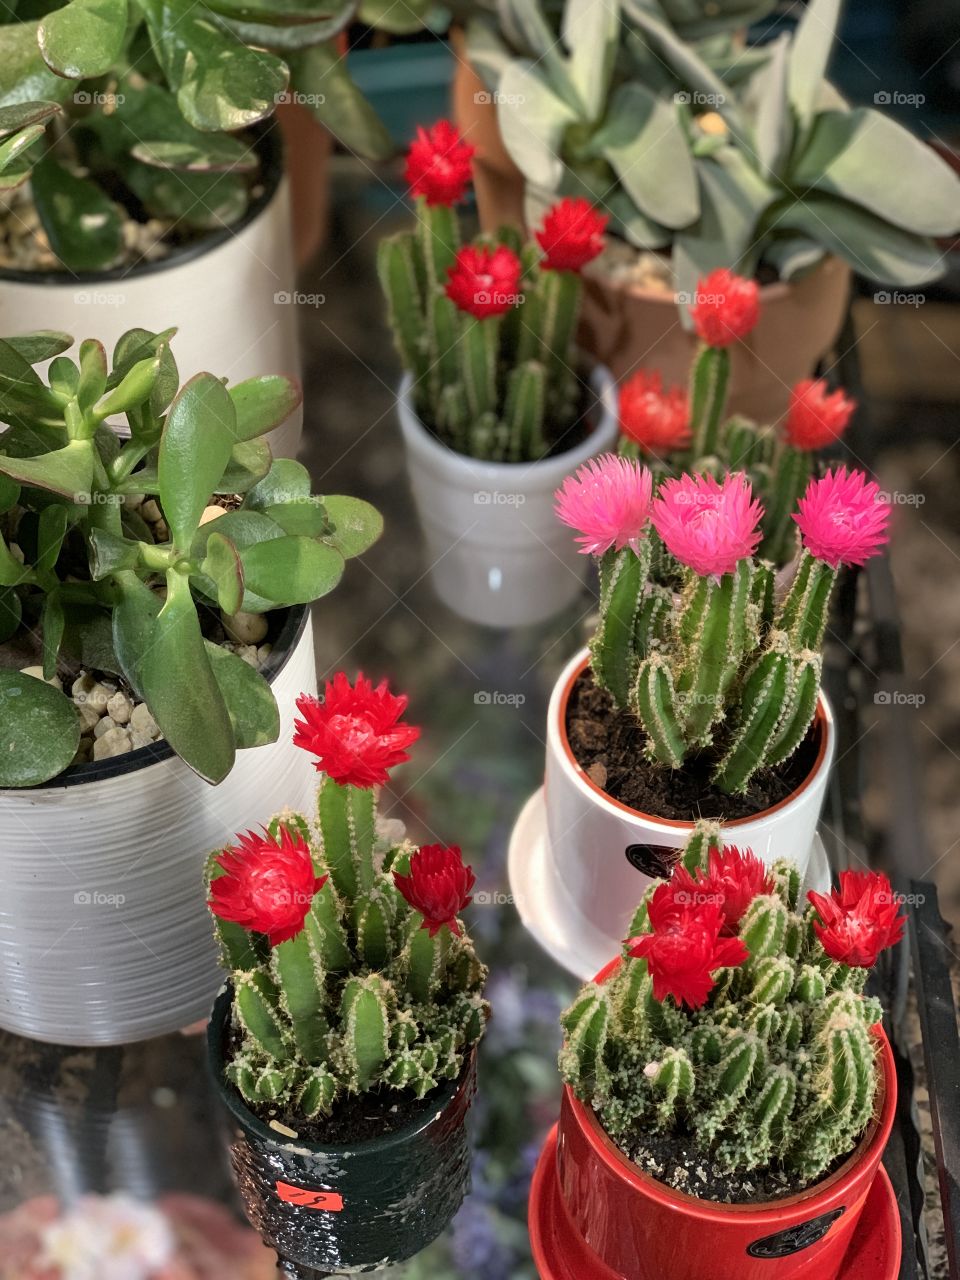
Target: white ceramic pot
(105, 936)
(231, 295)
(497, 552)
(597, 846)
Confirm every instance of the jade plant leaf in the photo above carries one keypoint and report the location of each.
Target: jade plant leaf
(250, 702)
(264, 403)
(356, 524)
(25, 79)
(9, 493)
(21, 388)
(82, 224)
(290, 570)
(39, 730)
(286, 481)
(135, 387)
(51, 531)
(67, 471)
(93, 373)
(320, 73)
(304, 516)
(84, 38)
(198, 437)
(11, 612)
(42, 344)
(249, 463)
(52, 622)
(222, 566)
(12, 152)
(133, 621)
(109, 552)
(20, 115)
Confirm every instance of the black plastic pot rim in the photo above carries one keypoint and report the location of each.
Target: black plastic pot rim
(268, 143)
(216, 1035)
(76, 775)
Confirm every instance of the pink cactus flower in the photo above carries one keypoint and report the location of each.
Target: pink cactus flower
(843, 517)
(708, 525)
(608, 502)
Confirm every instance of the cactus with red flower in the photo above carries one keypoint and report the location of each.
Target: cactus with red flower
(693, 636)
(351, 969)
(736, 1019)
(486, 329)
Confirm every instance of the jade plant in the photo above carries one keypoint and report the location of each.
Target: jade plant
(693, 636)
(736, 1020)
(486, 329)
(139, 105)
(674, 428)
(95, 585)
(351, 972)
(713, 154)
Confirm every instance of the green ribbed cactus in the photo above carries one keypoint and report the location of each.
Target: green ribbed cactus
(775, 1067)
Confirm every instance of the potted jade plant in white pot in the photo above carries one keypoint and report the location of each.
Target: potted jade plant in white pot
(729, 1087)
(154, 595)
(706, 154)
(344, 1044)
(495, 405)
(143, 182)
(699, 696)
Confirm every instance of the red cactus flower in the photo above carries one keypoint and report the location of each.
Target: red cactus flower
(571, 235)
(816, 418)
(858, 920)
(732, 880)
(484, 282)
(438, 886)
(707, 524)
(354, 731)
(685, 948)
(726, 307)
(438, 164)
(268, 884)
(608, 502)
(843, 517)
(657, 420)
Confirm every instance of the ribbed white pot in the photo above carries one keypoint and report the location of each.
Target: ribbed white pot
(105, 936)
(597, 846)
(232, 297)
(497, 552)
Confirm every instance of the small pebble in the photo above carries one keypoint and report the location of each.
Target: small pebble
(116, 742)
(151, 511)
(120, 708)
(161, 530)
(248, 652)
(98, 696)
(138, 739)
(37, 673)
(245, 628)
(103, 726)
(142, 722)
(263, 653)
(89, 716)
(211, 513)
(82, 686)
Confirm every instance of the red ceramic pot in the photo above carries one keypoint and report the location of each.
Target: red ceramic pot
(616, 1223)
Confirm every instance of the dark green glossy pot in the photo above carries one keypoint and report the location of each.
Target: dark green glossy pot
(355, 1209)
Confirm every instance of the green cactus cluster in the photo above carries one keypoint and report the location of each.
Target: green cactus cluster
(501, 388)
(778, 1068)
(363, 997)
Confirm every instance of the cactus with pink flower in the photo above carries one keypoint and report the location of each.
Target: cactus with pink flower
(694, 636)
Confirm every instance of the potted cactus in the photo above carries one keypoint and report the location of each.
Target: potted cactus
(154, 593)
(343, 1046)
(729, 1088)
(142, 178)
(706, 155)
(700, 694)
(495, 407)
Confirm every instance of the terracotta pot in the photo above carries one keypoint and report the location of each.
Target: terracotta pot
(353, 1208)
(621, 1224)
(309, 147)
(629, 328)
(602, 852)
(497, 182)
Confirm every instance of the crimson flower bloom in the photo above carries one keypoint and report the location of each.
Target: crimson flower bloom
(571, 235)
(608, 501)
(686, 947)
(484, 282)
(438, 886)
(657, 420)
(268, 884)
(354, 732)
(843, 517)
(707, 524)
(732, 880)
(858, 920)
(438, 164)
(726, 307)
(816, 418)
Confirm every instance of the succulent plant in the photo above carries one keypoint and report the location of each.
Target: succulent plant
(107, 103)
(351, 972)
(692, 637)
(724, 157)
(753, 1039)
(81, 569)
(486, 330)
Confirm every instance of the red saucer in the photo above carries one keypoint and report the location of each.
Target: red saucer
(560, 1253)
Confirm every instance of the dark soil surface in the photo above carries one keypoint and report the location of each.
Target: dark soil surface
(608, 744)
(356, 1118)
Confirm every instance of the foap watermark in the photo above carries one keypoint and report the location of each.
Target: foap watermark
(495, 698)
(492, 898)
(498, 298)
(898, 698)
(897, 298)
(493, 97)
(699, 898)
(900, 498)
(897, 98)
(496, 498)
(98, 298)
(99, 499)
(97, 898)
(283, 298)
(698, 99)
(700, 299)
(296, 98)
(95, 98)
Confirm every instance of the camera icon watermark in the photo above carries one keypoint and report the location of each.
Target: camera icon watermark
(894, 98)
(493, 98)
(898, 698)
(283, 298)
(497, 498)
(698, 99)
(896, 297)
(96, 898)
(94, 98)
(494, 898)
(293, 97)
(495, 698)
(897, 498)
(98, 298)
